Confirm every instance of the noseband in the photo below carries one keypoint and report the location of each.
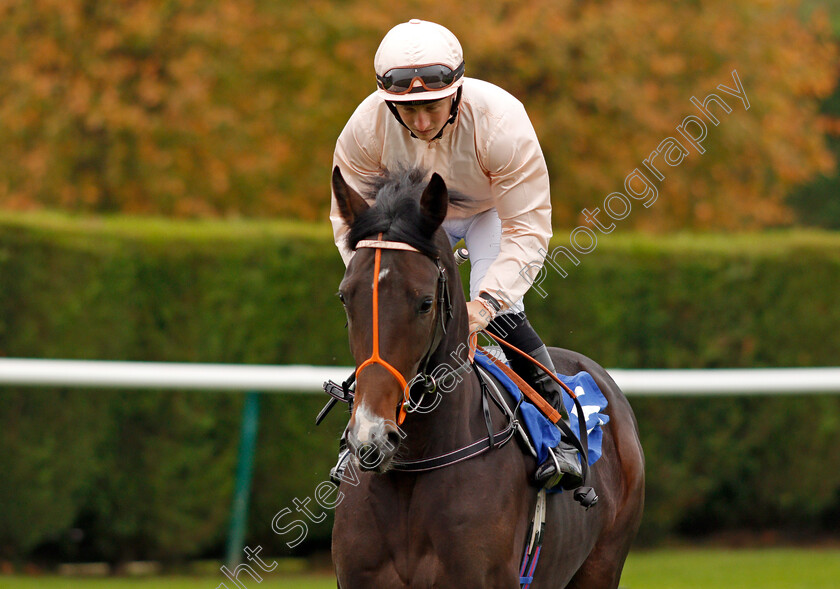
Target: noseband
(444, 311)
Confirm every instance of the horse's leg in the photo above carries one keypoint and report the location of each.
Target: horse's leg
(602, 568)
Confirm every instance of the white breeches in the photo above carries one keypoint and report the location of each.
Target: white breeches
(482, 235)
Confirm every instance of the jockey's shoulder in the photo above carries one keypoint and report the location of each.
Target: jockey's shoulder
(369, 117)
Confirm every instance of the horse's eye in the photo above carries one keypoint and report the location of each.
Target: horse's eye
(425, 305)
(341, 298)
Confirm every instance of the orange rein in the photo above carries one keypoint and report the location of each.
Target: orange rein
(375, 357)
(526, 389)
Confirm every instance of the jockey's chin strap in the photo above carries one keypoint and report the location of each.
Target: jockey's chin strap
(453, 114)
(444, 311)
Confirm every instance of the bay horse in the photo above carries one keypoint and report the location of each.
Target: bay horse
(464, 525)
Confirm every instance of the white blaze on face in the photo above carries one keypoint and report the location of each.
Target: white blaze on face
(383, 273)
(366, 423)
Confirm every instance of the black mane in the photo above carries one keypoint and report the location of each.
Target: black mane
(396, 212)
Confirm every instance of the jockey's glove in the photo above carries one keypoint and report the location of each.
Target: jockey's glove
(480, 313)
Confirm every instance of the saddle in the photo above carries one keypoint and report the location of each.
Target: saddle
(538, 431)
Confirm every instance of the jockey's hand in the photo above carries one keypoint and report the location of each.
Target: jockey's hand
(480, 314)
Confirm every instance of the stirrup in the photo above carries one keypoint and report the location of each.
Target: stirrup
(337, 471)
(548, 474)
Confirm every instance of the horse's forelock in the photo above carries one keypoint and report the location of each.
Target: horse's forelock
(396, 212)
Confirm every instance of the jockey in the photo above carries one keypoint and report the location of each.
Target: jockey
(478, 137)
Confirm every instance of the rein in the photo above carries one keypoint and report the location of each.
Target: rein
(549, 411)
(582, 444)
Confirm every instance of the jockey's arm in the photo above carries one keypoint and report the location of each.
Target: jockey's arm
(519, 183)
(357, 163)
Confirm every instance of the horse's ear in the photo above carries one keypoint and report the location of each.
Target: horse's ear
(435, 200)
(350, 203)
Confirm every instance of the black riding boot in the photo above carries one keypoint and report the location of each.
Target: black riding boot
(563, 464)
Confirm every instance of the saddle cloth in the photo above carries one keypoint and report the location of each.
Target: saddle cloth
(544, 434)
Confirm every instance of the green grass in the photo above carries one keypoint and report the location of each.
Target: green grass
(657, 569)
(733, 569)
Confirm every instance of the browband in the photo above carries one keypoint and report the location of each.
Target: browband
(386, 245)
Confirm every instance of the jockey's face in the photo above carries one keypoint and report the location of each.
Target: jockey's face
(426, 120)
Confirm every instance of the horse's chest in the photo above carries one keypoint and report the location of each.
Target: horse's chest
(425, 540)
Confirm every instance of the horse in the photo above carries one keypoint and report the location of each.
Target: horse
(466, 524)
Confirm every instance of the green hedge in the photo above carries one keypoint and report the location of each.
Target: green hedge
(150, 474)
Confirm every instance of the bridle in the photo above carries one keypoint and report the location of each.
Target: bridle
(444, 314)
(406, 405)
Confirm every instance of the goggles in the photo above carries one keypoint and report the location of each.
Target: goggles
(432, 77)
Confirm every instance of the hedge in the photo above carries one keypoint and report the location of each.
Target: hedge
(150, 474)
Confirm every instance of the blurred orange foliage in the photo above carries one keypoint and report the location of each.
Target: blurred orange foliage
(232, 107)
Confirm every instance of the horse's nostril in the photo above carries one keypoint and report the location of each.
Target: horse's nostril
(369, 456)
(393, 440)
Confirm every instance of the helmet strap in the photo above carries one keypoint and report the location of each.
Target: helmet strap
(396, 114)
(453, 114)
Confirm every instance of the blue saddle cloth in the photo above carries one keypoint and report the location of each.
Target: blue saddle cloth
(544, 434)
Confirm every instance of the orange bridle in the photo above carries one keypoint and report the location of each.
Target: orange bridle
(375, 357)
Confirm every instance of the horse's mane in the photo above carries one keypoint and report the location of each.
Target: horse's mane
(396, 211)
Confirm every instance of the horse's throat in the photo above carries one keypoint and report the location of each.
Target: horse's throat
(445, 427)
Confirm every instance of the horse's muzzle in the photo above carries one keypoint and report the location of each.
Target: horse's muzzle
(376, 453)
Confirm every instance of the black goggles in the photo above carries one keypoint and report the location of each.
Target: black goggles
(432, 77)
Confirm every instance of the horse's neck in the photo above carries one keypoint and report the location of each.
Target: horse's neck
(448, 425)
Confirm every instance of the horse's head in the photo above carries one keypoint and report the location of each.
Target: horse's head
(397, 299)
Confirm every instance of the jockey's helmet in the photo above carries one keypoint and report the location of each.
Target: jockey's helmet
(418, 60)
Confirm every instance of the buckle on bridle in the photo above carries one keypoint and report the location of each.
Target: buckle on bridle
(428, 386)
(444, 303)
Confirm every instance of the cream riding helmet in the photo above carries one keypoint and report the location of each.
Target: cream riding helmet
(419, 61)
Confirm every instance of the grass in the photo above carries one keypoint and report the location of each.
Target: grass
(657, 569)
(733, 569)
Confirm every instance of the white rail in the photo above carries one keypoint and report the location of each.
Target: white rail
(728, 381)
(167, 375)
(308, 379)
